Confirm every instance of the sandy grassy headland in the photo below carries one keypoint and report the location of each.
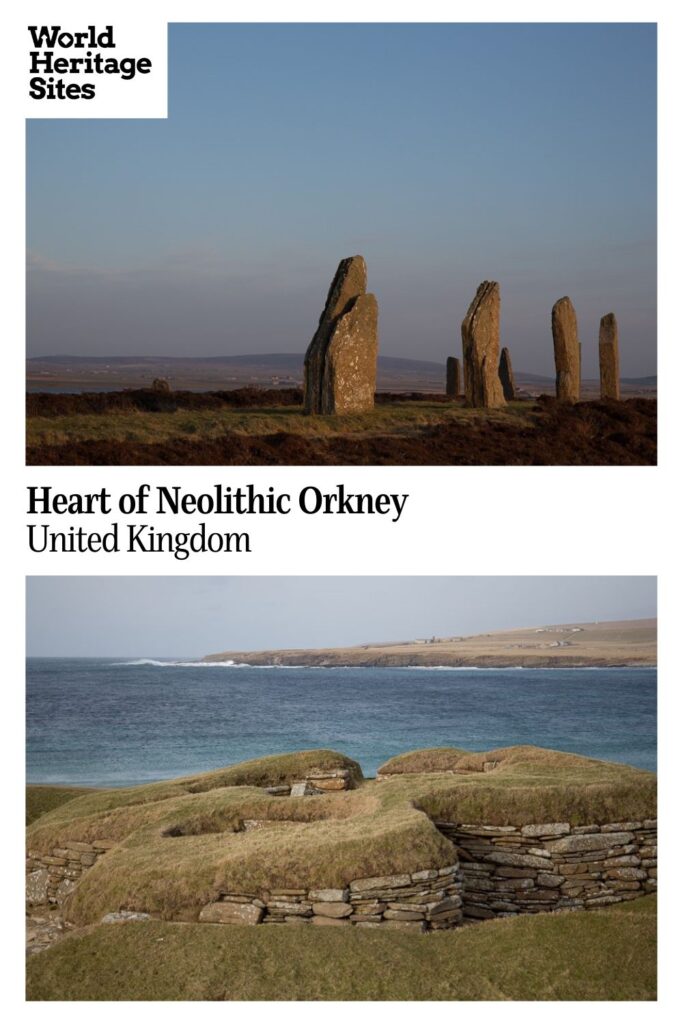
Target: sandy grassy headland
(599, 644)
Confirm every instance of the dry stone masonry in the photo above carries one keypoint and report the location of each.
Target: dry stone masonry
(420, 901)
(340, 367)
(453, 377)
(567, 351)
(481, 348)
(552, 866)
(495, 870)
(317, 780)
(609, 357)
(51, 877)
(507, 377)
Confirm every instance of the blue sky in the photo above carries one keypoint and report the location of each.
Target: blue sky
(148, 615)
(445, 154)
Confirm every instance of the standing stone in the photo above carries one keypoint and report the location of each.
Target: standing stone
(37, 884)
(453, 376)
(480, 346)
(350, 362)
(507, 377)
(609, 357)
(349, 282)
(567, 351)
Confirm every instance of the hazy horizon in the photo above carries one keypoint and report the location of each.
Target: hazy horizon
(144, 616)
(445, 154)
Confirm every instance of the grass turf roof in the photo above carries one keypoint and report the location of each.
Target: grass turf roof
(380, 827)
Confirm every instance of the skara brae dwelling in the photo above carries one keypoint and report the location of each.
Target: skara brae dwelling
(439, 838)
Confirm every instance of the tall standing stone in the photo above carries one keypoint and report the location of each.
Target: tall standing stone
(481, 348)
(609, 357)
(350, 363)
(567, 351)
(507, 377)
(453, 376)
(349, 282)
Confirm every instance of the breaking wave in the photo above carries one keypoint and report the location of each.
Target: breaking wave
(197, 664)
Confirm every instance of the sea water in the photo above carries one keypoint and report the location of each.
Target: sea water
(125, 721)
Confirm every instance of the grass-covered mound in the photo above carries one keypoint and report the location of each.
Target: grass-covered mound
(419, 762)
(607, 954)
(526, 784)
(41, 799)
(181, 843)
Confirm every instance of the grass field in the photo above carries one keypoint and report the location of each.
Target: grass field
(601, 955)
(143, 427)
(91, 430)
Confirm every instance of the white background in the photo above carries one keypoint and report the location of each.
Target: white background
(554, 520)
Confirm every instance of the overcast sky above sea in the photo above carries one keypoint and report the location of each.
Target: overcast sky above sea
(445, 154)
(176, 616)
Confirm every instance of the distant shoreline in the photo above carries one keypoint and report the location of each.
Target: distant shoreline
(631, 644)
(257, 661)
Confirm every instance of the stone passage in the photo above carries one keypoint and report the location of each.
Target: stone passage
(609, 357)
(422, 901)
(51, 877)
(340, 367)
(453, 377)
(552, 866)
(567, 351)
(507, 377)
(480, 348)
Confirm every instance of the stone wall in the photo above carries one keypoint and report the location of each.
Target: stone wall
(497, 871)
(51, 877)
(421, 901)
(509, 870)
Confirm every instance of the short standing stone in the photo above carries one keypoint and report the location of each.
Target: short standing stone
(567, 351)
(609, 357)
(481, 348)
(350, 364)
(301, 789)
(507, 377)
(349, 282)
(453, 377)
(36, 886)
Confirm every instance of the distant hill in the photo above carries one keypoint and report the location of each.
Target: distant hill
(292, 361)
(628, 642)
(74, 373)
